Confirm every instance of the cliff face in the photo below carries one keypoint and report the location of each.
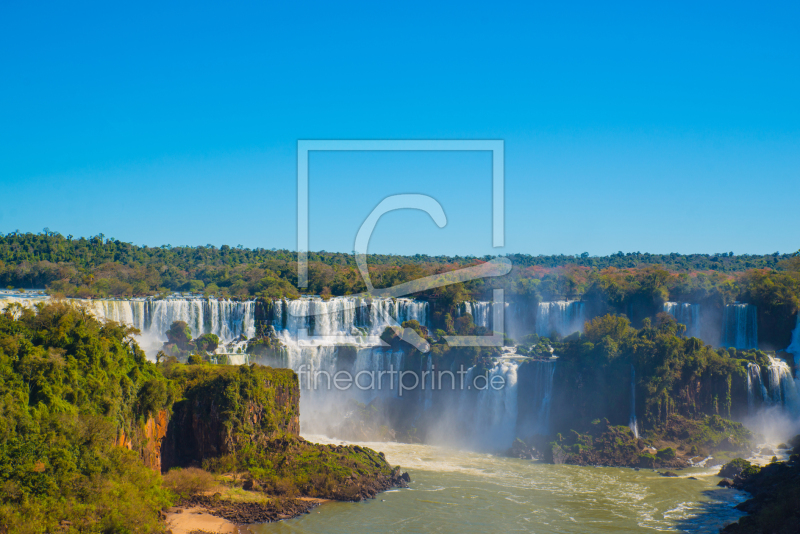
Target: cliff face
(147, 440)
(226, 408)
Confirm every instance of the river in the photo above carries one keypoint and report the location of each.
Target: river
(464, 492)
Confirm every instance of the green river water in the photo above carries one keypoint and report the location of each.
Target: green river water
(462, 492)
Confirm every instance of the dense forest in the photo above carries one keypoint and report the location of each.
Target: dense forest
(106, 267)
(674, 374)
(68, 386)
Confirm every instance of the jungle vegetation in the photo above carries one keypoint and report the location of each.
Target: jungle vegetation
(68, 386)
(106, 267)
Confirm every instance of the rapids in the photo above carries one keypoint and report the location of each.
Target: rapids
(454, 491)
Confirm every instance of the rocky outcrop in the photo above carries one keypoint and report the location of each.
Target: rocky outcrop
(225, 407)
(774, 505)
(147, 439)
(672, 446)
(243, 513)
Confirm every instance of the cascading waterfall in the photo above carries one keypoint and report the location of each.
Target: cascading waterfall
(740, 326)
(489, 418)
(542, 393)
(495, 417)
(782, 389)
(561, 316)
(634, 426)
(378, 362)
(330, 325)
(687, 314)
(481, 312)
(351, 317)
(229, 320)
(755, 387)
(428, 384)
(26, 299)
(794, 350)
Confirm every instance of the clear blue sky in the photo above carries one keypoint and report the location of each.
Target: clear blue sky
(633, 127)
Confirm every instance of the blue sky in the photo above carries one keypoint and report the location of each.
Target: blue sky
(633, 127)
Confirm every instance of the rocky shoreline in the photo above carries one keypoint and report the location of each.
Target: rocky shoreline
(248, 513)
(680, 443)
(774, 503)
(269, 509)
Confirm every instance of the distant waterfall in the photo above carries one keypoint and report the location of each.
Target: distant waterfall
(794, 350)
(687, 314)
(634, 426)
(494, 424)
(481, 312)
(318, 334)
(542, 395)
(781, 386)
(228, 319)
(756, 392)
(740, 326)
(345, 316)
(563, 317)
(428, 383)
(375, 361)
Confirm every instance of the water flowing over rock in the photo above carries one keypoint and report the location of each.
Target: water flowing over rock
(495, 415)
(538, 395)
(633, 424)
(687, 314)
(350, 317)
(756, 392)
(481, 312)
(794, 350)
(323, 337)
(782, 389)
(563, 317)
(228, 319)
(740, 326)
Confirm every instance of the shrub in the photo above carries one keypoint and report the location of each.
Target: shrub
(667, 453)
(733, 468)
(188, 481)
(646, 459)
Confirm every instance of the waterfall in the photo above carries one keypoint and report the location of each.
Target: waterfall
(687, 314)
(494, 424)
(349, 318)
(481, 312)
(563, 317)
(352, 325)
(229, 320)
(740, 326)
(542, 393)
(26, 300)
(755, 387)
(375, 361)
(794, 350)
(634, 426)
(465, 409)
(428, 384)
(782, 389)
